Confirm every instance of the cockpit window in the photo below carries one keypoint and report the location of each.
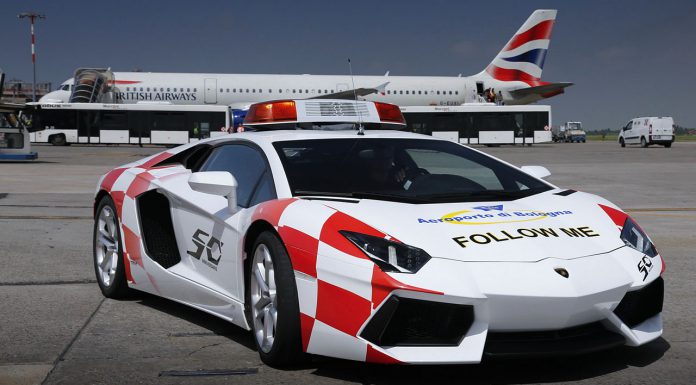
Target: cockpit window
(65, 87)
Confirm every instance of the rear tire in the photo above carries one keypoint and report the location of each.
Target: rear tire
(621, 142)
(108, 251)
(273, 302)
(58, 140)
(643, 142)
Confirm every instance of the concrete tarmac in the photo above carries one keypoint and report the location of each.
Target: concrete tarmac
(56, 327)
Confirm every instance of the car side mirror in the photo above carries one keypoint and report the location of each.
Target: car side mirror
(220, 183)
(536, 171)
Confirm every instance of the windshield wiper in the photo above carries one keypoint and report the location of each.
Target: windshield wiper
(363, 195)
(483, 193)
(389, 197)
(323, 193)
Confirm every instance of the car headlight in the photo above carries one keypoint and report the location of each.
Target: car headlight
(633, 236)
(389, 255)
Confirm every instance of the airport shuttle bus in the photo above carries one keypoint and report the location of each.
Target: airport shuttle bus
(482, 123)
(98, 123)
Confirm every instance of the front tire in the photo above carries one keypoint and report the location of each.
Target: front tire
(273, 301)
(621, 142)
(108, 251)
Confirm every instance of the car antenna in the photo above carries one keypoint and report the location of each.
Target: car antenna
(361, 129)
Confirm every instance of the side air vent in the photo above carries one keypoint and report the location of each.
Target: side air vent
(157, 229)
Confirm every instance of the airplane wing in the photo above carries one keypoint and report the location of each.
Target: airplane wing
(545, 91)
(351, 94)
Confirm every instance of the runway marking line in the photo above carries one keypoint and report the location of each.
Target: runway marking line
(48, 217)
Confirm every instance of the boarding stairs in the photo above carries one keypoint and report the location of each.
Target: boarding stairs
(91, 84)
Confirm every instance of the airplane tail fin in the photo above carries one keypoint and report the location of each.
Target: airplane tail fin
(522, 58)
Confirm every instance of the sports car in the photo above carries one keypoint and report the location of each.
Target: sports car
(323, 234)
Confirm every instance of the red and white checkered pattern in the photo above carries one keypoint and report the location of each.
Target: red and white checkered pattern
(338, 286)
(124, 184)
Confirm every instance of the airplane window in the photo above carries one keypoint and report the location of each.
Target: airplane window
(161, 89)
(220, 90)
(401, 92)
(406, 92)
(181, 90)
(419, 92)
(438, 92)
(167, 89)
(306, 91)
(280, 91)
(293, 90)
(270, 91)
(195, 90)
(227, 90)
(188, 90)
(450, 92)
(247, 91)
(326, 91)
(141, 89)
(127, 88)
(456, 92)
(300, 91)
(413, 92)
(313, 91)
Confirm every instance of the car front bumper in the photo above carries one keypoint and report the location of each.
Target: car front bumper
(475, 309)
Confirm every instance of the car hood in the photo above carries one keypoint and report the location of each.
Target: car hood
(542, 226)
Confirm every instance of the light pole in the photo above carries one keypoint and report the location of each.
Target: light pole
(32, 17)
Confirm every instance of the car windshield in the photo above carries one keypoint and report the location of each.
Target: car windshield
(406, 170)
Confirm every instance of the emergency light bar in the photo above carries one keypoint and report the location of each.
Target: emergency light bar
(323, 111)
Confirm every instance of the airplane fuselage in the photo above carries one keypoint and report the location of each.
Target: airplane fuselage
(239, 90)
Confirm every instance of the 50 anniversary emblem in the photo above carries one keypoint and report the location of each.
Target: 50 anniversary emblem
(491, 215)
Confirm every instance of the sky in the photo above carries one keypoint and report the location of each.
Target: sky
(627, 58)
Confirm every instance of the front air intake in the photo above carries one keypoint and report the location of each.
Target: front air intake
(411, 322)
(639, 305)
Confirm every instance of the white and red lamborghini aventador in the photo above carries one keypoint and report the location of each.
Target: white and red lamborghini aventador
(375, 245)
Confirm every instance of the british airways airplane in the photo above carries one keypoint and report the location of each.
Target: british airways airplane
(514, 74)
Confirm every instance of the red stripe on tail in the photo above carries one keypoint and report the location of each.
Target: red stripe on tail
(538, 32)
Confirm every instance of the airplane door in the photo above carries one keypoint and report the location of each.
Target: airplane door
(210, 96)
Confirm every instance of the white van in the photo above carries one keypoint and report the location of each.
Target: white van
(647, 131)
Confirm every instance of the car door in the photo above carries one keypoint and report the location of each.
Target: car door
(629, 135)
(208, 235)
